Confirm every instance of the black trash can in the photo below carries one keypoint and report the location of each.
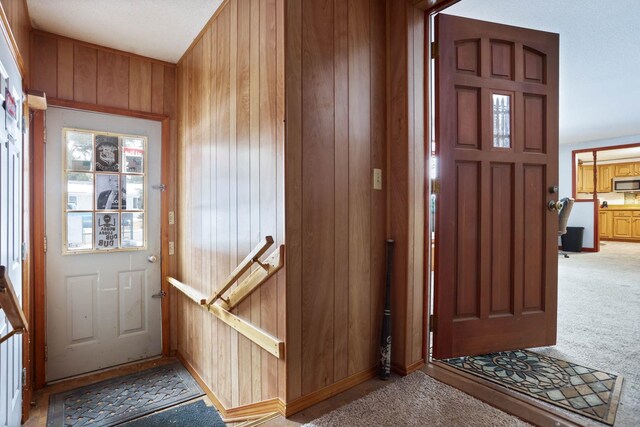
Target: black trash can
(572, 239)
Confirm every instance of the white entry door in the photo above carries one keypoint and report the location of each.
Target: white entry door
(103, 241)
(11, 258)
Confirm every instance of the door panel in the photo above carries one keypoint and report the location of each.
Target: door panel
(100, 309)
(497, 136)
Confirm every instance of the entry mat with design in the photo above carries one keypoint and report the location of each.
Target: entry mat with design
(585, 391)
(114, 401)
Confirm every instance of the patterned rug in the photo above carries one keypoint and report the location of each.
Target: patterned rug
(121, 399)
(586, 391)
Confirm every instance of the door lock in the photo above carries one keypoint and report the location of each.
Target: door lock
(160, 294)
(152, 259)
(555, 206)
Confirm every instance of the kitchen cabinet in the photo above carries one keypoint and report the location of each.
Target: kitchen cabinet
(605, 178)
(619, 222)
(586, 180)
(622, 224)
(624, 169)
(605, 223)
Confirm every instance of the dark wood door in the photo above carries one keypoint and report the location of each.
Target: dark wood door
(497, 150)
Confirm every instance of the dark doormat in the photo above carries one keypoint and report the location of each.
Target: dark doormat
(112, 402)
(585, 391)
(191, 414)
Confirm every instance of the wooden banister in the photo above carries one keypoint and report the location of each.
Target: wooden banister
(262, 338)
(11, 306)
(242, 268)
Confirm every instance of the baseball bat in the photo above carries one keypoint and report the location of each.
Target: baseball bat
(385, 337)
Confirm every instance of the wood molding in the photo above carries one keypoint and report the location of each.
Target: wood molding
(266, 407)
(304, 402)
(102, 48)
(415, 366)
(512, 402)
(13, 45)
(39, 257)
(74, 105)
(164, 237)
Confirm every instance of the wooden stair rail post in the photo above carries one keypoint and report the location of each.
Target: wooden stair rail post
(262, 338)
(11, 306)
(253, 256)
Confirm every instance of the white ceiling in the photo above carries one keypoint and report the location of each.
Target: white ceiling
(161, 29)
(599, 58)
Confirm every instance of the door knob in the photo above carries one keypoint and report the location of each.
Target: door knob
(152, 258)
(555, 206)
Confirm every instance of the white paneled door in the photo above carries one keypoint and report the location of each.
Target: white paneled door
(103, 241)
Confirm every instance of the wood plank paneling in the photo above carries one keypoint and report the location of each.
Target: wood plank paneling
(65, 70)
(157, 88)
(45, 73)
(140, 84)
(85, 61)
(231, 169)
(112, 80)
(17, 17)
(336, 134)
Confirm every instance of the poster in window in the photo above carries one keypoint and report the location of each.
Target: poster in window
(107, 159)
(107, 191)
(107, 231)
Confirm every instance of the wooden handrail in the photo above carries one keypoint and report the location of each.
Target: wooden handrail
(262, 338)
(240, 269)
(270, 266)
(11, 306)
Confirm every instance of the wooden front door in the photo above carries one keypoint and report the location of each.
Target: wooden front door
(497, 151)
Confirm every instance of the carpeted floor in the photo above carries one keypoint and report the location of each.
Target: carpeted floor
(598, 326)
(599, 319)
(417, 400)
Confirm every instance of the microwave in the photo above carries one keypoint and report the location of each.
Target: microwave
(627, 184)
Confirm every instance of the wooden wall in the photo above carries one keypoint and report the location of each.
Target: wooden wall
(408, 210)
(336, 135)
(231, 171)
(17, 16)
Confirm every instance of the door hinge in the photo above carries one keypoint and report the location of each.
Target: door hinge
(46, 353)
(160, 294)
(433, 324)
(435, 186)
(435, 50)
(24, 377)
(24, 251)
(45, 244)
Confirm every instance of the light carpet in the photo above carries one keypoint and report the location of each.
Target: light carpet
(598, 325)
(599, 319)
(417, 400)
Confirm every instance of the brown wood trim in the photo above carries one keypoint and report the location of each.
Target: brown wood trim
(164, 237)
(502, 398)
(13, 45)
(238, 413)
(74, 105)
(586, 201)
(202, 31)
(39, 257)
(102, 48)
(433, 5)
(402, 370)
(311, 399)
(27, 278)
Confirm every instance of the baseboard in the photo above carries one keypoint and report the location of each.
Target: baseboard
(237, 413)
(318, 396)
(402, 370)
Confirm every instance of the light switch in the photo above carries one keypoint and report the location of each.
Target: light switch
(172, 218)
(377, 179)
(172, 248)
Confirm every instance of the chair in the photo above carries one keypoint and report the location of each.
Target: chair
(563, 218)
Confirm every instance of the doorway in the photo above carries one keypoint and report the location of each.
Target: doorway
(103, 241)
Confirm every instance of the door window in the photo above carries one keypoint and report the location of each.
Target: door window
(104, 201)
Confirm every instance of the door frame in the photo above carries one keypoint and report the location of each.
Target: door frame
(39, 231)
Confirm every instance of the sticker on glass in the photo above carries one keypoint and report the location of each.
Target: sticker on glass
(107, 192)
(107, 231)
(107, 153)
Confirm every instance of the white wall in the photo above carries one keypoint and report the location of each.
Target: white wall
(582, 213)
